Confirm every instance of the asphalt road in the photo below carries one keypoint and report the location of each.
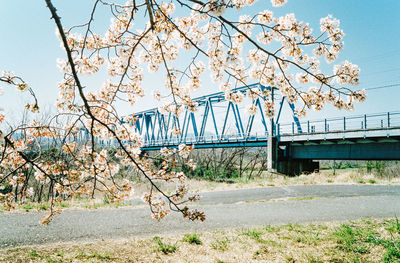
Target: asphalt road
(226, 209)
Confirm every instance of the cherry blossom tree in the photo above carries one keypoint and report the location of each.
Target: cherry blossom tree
(180, 40)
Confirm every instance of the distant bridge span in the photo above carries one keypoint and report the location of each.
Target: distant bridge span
(291, 146)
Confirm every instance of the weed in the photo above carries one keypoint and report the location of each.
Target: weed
(352, 239)
(360, 181)
(254, 234)
(309, 238)
(165, 248)
(60, 253)
(106, 199)
(44, 206)
(50, 260)
(394, 226)
(220, 244)
(262, 251)
(290, 259)
(270, 228)
(33, 254)
(372, 181)
(192, 239)
(392, 252)
(303, 198)
(28, 206)
(64, 205)
(94, 254)
(329, 181)
(312, 259)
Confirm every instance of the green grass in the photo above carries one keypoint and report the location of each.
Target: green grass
(44, 206)
(60, 253)
(28, 206)
(372, 181)
(104, 256)
(192, 239)
(33, 254)
(163, 247)
(220, 244)
(360, 241)
(254, 234)
(360, 181)
(394, 226)
(353, 239)
(392, 253)
(64, 205)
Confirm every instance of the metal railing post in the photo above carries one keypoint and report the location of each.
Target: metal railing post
(365, 121)
(278, 129)
(325, 122)
(344, 123)
(388, 119)
(292, 127)
(308, 126)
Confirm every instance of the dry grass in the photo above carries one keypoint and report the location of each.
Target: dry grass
(366, 241)
(324, 177)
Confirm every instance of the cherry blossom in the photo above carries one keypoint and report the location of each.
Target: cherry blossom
(179, 43)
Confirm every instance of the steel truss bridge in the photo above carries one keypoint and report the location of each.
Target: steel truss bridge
(292, 145)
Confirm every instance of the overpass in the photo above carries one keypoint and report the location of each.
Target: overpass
(292, 146)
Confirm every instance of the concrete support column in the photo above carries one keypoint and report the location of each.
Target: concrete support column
(272, 154)
(272, 147)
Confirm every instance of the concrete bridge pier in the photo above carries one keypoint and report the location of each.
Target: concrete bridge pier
(272, 145)
(278, 160)
(272, 154)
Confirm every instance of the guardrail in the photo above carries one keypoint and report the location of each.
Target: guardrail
(207, 139)
(382, 121)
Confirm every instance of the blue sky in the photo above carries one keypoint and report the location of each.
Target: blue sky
(30, 48)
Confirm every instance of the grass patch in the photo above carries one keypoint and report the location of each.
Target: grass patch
(33, 254)
(352, 239)
(28, 206)
(220, 244)
(255, 234)
(192, 239)
(163, 247)
(105, 256)
(372, 181)
(361, 181)
(394, 226)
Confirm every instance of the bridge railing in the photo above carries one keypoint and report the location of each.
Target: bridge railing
(207, 139)
(377, 121)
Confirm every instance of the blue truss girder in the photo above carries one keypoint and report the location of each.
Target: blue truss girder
(250, 121)
(156, 127)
